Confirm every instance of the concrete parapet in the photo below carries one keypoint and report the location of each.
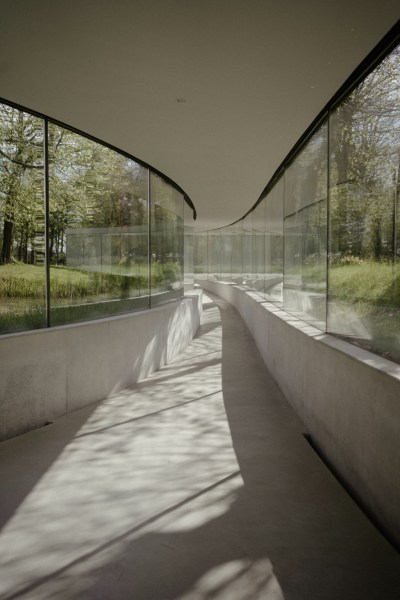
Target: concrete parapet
(47, 373)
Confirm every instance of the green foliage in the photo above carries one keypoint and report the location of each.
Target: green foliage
(100, 195)
(364, 166)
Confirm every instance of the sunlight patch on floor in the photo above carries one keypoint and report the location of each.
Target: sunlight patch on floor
(235, 580)
(156, 457)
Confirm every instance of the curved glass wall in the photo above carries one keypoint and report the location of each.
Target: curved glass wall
(22, 221)
(274, 243)
(214, 254)
(98, 229)
(258, 235)
(364, 186)
(226, 254)
(188, 249)
(247, 249)
(200, 256)
(324, 241)
(166, 241)
(305, 231)
(85, 231)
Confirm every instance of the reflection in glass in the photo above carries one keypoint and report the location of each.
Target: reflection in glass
(364, 276)
(358, 282)
(258, 225)
(237, 253)
(305, 231)
(22, 222)
(200, 256)
(99, 248)
(166, 241)
(214, 255)
(247, 245)
(188, 249)
(226, 254)
(274, 243)
(98, 230)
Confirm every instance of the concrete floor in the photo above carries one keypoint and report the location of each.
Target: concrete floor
(195, 485)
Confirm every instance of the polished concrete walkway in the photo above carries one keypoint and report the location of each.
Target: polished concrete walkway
(197, 484)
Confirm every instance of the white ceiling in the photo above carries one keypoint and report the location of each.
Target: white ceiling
(253, 73)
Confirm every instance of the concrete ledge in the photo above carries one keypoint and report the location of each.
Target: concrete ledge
(45, 374)
(347, 398)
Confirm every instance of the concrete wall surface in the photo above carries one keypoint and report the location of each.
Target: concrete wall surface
(347, 398)
(47, 373)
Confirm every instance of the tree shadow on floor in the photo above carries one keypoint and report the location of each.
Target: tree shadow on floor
(261, 520)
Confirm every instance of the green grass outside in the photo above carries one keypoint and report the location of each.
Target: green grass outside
(360, 281)
(20, 281)
(371, 288)
(372, 291)
(373, 283)
(76, 295)
(365, 290)
(369, 282)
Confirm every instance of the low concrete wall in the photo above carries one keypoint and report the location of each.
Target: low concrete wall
(347, 398)
(47, 373)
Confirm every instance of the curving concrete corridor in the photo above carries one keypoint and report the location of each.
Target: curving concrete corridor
(196, 484)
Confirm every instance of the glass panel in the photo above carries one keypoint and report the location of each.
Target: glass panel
(188, 246)
(364, 275)
(22, 245)
(237, 253)
(226, 254)
(247, 231)
(305, 231)
(259, 248)
(98, 230)
(188, 256)
(166, 241)
(274, 243)
(214, 254)
(200, 256)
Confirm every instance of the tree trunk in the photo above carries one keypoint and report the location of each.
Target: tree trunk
(8, 238)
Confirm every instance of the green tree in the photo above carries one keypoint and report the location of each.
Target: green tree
(21, 185)
(365, 147)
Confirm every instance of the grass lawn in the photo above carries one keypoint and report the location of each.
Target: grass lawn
(373, 283)
(21, 281)
(371, 292)
(75, 294)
